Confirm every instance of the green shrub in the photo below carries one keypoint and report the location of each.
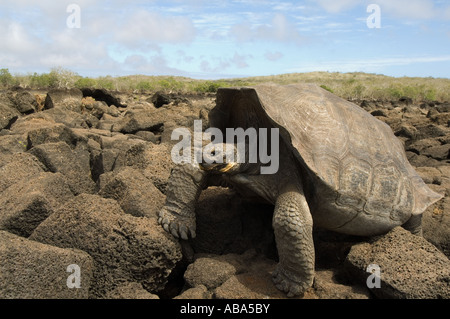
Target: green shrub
(345, 85)
(412, 92)
(208, 87)
(45, 80)
(85, 83)
(105, 83)
(430, 94)
(6, 79)
(323, 86)
(63, 78)
(170, 84)
(395, 93)
(358, 91)
(144, 86)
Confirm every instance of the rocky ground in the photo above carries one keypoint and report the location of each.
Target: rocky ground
(83, 174)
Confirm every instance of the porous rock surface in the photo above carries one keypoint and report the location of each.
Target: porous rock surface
(83, 174)
(32, 270)
(410, 266)
(124, 247)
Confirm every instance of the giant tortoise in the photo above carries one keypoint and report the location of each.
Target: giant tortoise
(339, 168)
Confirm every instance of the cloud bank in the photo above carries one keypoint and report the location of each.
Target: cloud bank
(212, 38)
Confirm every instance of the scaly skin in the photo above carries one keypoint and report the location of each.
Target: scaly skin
(184, 187)
(414, 225)
(292, 223)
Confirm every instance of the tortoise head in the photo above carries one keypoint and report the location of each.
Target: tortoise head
(224, 158)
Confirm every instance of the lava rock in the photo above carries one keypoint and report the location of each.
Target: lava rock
(73, 164)
(103, 95)
(209, 272)
(135, 193)
(21, 166)
(25, 204)
(24, 102)
(410, 267)
(124, 248)
(8, 115)
(198, 292)
(160, 99)
(131, 290)
(69, 99)
(37, 271)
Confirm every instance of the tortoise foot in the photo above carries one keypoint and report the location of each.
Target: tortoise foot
(178, 225)
(289, 282)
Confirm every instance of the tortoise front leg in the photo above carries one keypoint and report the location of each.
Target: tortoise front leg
(292, 223)
(184, 187)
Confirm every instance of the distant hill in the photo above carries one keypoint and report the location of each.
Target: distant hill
(357, 86)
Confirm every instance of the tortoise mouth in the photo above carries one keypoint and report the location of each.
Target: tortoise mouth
(218, 167)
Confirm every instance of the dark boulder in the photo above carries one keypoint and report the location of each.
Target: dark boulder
(28, 202)
(409, 267)
(69, 99)
(124, 248)
(24, 101)
(160, 99)
(73, 164)
(8, 115)
(103, 95)
(38, 271)
(135, 193)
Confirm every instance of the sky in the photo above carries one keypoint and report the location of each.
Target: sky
(214, 39)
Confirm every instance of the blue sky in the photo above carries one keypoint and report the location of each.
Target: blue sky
(212, 39)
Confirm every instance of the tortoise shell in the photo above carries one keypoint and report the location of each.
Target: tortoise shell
(362, 182)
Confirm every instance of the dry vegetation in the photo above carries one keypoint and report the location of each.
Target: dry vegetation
(368, 86)
(347, 85)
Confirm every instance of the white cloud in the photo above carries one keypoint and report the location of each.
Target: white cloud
(205, 66)
(279, 30)
(287, 6)
(154, 65)
(367, 65)
(239, 61)
(143, 27)
(410, 9)
(220, 64)
(26, 45)
(405, 9)
(336, 6)
(15, 38)
(34, 36)
(182, 57)
(273, 56)
(163, 37)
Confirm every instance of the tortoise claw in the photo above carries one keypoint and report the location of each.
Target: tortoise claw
(177, 225)
(288, 283)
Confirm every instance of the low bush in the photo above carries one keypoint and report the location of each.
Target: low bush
(354, 85)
